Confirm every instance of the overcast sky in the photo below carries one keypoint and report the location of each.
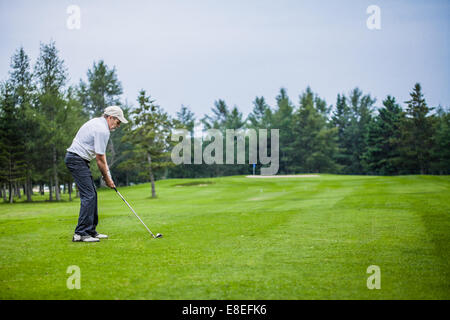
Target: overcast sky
(195, 52)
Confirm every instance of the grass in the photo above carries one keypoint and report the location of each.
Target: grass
(238, 238)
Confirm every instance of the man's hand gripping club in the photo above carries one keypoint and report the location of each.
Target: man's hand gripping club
(104, 169)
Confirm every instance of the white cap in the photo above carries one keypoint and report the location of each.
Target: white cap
(115, 111)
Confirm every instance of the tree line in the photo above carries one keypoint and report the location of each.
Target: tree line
(40, 113)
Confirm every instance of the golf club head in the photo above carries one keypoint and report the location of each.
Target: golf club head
(158, 235)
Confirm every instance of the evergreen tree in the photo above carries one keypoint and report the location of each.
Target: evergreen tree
(186, 120)
(12, 150)
(282, 120)
(215, 121)
(102, 90)
(362, 109)
(261, 115)
(149, 133)
(383, 152)
(341, 119)
(353, 122)
(222, 119)
(51, 76)
(219, 118)
(235, 119)
(21, 82)
(441, 144)
(418, 132)
(315, 144)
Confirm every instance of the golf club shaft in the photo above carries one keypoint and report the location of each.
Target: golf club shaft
(134, 212)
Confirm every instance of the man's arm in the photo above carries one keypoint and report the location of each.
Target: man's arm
(103, 167)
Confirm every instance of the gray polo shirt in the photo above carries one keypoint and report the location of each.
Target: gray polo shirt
(91, 139)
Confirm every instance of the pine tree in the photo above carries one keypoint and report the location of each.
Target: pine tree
(362, 108)
(186, 120)
(261, 115)
(315, 143)
(384, 141)
(353, 127)
(12, 150)
(219, 118)
(235, 119)
(222, 119)
(418, 132)
(441, 144)
(341, 119)
(51, 76)
(282, 120)
(149, 132)
(102, 90)
(21, 82)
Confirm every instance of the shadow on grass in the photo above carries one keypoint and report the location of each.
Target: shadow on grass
(193, 183)
(37, 201)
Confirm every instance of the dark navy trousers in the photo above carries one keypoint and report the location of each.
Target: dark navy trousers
(81, 173)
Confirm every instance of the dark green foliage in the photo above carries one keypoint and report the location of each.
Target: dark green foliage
(341, 119)
(441, 143)
(186, 120)
(12, 144)
(51, 110)
(222, 119)
(102, 90)
(23, 93)
(315, 144)
(384, 141)
(352, 117)
(149, 132)
(418, 133)
(282, 120)
(261, 116)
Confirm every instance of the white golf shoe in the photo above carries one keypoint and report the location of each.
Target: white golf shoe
(79, 238)
(101, 236)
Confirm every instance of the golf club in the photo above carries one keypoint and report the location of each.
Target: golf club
(158, 235)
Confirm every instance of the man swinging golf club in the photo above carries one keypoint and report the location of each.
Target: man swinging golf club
(89, 143)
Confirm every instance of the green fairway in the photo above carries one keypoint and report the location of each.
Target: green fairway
(238, 238)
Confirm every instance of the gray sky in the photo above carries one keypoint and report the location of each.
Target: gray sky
(195, 52)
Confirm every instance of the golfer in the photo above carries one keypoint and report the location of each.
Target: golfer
(89, 143)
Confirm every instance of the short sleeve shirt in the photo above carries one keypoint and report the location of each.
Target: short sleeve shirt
(91, 139)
